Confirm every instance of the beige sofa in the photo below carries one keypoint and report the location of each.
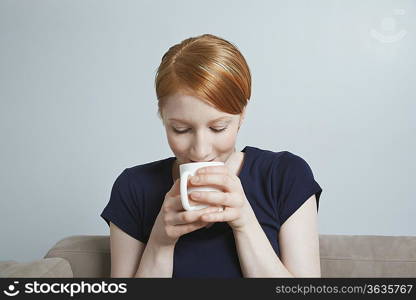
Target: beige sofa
(341, 256)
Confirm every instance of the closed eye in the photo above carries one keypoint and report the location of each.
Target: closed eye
(185, 131)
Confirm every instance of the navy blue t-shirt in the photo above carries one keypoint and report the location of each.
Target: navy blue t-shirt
(275, 183)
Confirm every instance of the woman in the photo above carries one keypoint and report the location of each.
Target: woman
(268, 225)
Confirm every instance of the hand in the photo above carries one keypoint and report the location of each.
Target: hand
(173, 221)
(237, 210)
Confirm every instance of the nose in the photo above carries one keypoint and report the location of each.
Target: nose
(201, 150)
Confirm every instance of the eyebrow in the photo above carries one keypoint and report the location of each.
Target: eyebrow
(212, 121)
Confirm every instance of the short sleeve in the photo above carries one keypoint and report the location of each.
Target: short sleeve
(298, 186)
(122, 208)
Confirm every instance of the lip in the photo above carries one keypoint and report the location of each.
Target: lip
(202, 161)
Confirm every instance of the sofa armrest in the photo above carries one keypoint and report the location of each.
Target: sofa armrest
(43, 268)
(88, 255)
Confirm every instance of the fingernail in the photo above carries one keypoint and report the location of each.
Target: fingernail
(195, 179)
(196, 195)
(202, 170)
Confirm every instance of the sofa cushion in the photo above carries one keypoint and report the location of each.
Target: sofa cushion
(367, 256)
(43, 268)
(341, 255)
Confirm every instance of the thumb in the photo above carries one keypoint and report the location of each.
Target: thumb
(175, 189)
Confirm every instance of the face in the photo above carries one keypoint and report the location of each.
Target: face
(197, 131)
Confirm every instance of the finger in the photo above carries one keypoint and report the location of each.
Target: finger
(222, 181)
(174, 198)
(175, 189)
(187, 228)
(224, 216)
(213, 169)
(186, 217)
(175, 204)
(214, 198)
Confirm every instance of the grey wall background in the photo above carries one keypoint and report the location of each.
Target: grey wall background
(333, 82)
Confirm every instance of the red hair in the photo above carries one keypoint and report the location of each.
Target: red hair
(207, 67)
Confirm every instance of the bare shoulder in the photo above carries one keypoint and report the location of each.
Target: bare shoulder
(126, 253)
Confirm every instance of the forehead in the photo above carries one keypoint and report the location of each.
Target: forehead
(189, 109)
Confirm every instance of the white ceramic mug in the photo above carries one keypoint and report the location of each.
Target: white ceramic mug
(187, 170)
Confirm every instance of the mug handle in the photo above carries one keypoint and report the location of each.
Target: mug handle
(184, 193)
